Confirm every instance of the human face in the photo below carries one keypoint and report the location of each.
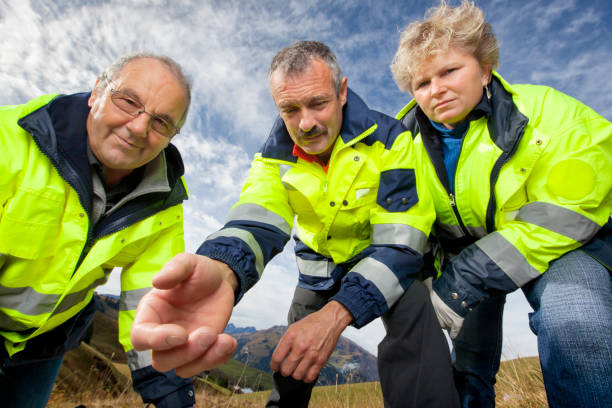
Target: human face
(310, 107)
(448, 86)
(122, 142)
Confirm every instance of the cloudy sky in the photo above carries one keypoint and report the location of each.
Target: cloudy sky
(226, 46)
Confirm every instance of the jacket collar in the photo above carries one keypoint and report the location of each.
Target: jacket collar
(506, 123)
(356, 119)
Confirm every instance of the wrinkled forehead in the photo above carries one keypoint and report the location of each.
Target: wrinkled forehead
(146, 72)
(315, 78)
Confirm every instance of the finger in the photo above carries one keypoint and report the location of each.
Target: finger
(146, 311)
(313, 373)
(302, 368)
(145, 336)
(310, 365)
(176, 271)
(197, 344)
(291, 362)
(216, 355)
(283, 347)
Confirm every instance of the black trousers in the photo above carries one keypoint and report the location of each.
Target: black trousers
(413, 359)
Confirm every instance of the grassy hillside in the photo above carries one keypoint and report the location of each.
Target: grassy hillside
(519, 385)
(235, 373)
(96, 375)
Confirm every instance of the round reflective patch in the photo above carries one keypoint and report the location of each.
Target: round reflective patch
(571, 179)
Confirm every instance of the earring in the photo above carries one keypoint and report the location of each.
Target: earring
(488, 91)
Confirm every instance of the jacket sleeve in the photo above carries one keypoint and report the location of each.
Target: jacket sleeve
(257, 229)
(400, 224)
(14, 143)
(565, 202)
(164, 390)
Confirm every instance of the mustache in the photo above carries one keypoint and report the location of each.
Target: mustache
(315, 131)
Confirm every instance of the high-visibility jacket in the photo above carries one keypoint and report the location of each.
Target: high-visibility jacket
(533, 182)
(52, 256)
(363, 223)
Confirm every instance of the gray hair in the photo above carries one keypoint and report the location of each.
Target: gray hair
(295, 58)
(115, 68)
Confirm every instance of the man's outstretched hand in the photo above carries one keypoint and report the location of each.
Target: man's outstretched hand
(183, 317)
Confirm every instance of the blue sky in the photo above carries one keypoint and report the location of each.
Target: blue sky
(226, 47)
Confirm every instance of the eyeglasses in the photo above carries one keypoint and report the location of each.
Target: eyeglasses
(134, 108)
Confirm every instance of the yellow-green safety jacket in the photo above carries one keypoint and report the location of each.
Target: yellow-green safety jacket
(533, 182)
(363, 223)
(52, 258)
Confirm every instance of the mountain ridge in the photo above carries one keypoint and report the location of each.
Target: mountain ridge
(348, 363)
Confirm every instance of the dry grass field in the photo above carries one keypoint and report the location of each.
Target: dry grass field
(519, 385)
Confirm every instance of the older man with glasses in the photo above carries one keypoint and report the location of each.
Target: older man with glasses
(88, 182)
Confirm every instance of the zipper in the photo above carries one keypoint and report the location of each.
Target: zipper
(440, 171)
(453, 205)
(501, 161)
(453, 202)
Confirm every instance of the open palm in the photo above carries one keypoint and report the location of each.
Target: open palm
(182, 319)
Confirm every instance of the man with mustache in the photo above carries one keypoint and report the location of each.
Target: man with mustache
(363, 216)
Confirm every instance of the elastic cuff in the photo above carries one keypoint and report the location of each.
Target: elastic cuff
(184, 397)
(456, 297)
(362, 314)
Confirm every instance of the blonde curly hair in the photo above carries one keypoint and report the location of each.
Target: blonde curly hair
(444, 27)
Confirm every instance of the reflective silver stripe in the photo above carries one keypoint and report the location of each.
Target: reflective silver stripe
(7, 323)
(321, 269)
(453, 230)
(382, 277)
(138, 359)
(478, 232)
(129, 299)
(248, 239)
(508, 258)
(560, 220)
(73, 298)
(255, 212)
(389, 234)
(283, 168)
(27, 301)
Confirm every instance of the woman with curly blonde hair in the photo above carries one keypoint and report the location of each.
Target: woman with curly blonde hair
(521, 180)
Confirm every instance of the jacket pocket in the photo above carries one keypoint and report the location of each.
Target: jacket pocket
(397, 191)
(512, 205)
(31, 223)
